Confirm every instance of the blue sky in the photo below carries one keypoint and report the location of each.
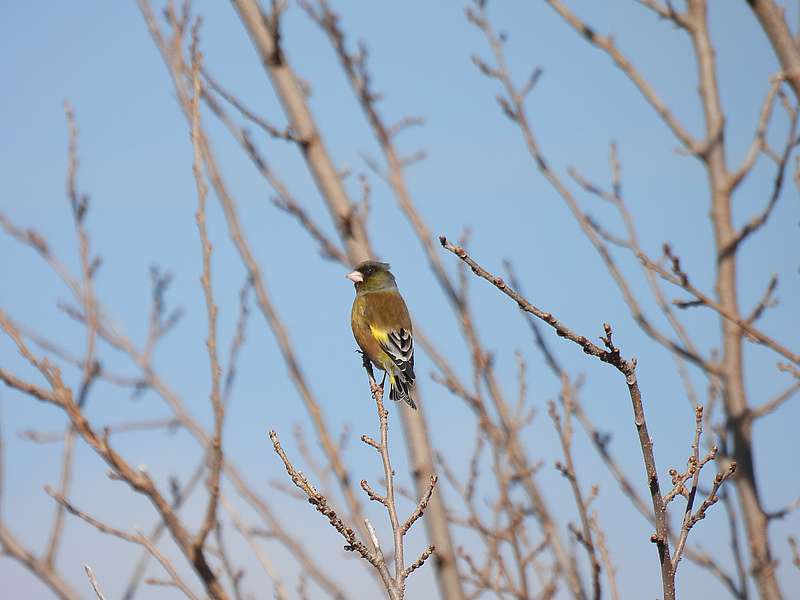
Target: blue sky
(136, 167)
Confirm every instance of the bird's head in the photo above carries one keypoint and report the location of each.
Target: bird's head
(371, 276)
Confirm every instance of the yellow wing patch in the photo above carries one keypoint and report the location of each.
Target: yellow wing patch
(379, 334)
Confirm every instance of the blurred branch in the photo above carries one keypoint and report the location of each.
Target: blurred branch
(773, 405)
(767, 300)
(605, 556)
(215, 453)
(136, 538)
(760, 138)
(689, 351)
(795, 551)
(607, 45)
(355, 65)
(666, 11)
(758, 221)
(151, 379)
(11, 547)
(740, 590)
(734, 393)
(237, 342)
(50, 437)
(513, 107)
(139, 480)
(179, 496)
(679, 278)
(567, 469)
(773, 22)
(265, 33)
(59, 352)
(175, 63)
(235, 575)
(271, 130)
(57, 529)
(327, 248)
(266, 563)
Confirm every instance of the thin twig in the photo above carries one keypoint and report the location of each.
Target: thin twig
(564, 430)
(136, 538)
(215, 455)
(93, 582)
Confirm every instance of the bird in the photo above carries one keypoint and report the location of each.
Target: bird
(382, 327)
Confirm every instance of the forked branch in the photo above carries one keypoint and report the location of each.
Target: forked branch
(394, 582)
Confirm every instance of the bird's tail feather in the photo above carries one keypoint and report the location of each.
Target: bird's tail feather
(400, 389)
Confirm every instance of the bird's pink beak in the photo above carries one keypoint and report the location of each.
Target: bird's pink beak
(355, 277)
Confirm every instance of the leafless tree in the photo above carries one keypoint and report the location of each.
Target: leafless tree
(493, 530)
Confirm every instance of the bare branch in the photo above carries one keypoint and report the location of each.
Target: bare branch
(179, 495)
(398, 530)
(250, 11)
(514, 108)
(138, 480)
(215, 454)
(607, 45)
(679, 278)
(264, 31)
(426, 554)
(613, 357)
(421, 506)
(760, 139)
(136, 538)
(51, 437)
(327, 248)
(67, 455)
(767, 300)
(795, 552)
(773, 22)
(693, 472)
(666, 11)
(567, 469)
(263, 124)
(266, 563)
(93, 582)
(12, 548)
(782, 160)
(322, 506)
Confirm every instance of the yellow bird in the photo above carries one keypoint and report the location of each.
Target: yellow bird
(382, 327)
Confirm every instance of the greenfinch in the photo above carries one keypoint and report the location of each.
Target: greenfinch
(382, 327)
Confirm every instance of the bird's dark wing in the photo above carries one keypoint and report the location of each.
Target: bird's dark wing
(399, 346)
